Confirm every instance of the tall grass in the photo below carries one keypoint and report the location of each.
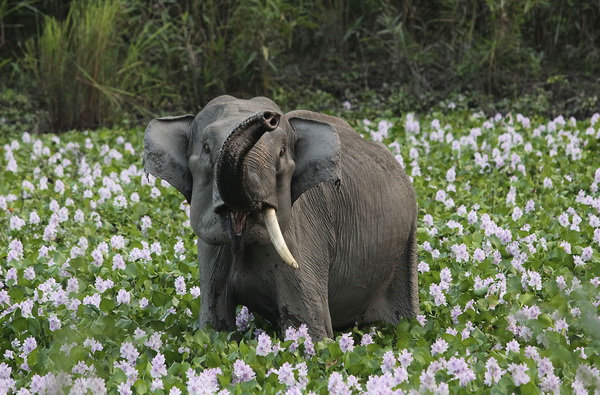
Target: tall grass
(87, 77)
(107, 57)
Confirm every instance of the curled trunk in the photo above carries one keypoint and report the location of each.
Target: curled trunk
(230, 169)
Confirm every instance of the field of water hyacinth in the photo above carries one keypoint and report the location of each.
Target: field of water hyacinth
(99, 280)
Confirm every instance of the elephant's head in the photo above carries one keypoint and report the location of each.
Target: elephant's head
(241, 164)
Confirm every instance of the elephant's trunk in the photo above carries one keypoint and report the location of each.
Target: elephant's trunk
(230, 166)
(231, 177)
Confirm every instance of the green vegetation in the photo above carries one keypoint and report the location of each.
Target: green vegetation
(99, 279)
(97, 62)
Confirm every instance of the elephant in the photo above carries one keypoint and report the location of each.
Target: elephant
(297, 216)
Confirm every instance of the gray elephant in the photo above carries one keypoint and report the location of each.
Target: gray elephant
(298, 217)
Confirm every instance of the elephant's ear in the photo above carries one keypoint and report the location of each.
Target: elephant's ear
(165, 151)
(317, 151)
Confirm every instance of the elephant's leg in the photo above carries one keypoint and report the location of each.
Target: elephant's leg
(302, 299)
(217, 307)
(401, 299)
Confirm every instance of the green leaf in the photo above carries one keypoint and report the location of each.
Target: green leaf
(34, 327)
(106, 305)
(526, 299)
(132, 270)
(19, 325)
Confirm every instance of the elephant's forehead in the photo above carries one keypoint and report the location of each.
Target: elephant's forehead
(226, 123)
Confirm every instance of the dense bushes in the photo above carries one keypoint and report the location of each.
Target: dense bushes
(165, 55)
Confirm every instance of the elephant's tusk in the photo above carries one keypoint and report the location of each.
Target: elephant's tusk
(277, 238)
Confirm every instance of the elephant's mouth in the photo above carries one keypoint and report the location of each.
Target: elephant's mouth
(237, 224)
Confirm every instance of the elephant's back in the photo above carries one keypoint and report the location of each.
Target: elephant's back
(374, 216)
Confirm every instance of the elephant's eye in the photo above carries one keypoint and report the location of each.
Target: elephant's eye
(282, 152)
(206, 148)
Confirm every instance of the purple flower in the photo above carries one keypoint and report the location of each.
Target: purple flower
(451, 174)
(529, 206)
(93, 344)
(366, 340)
(15, 251)
(29, 345)
(54, 323)
(242, 372)
(459, 252)
(389, 362)
(513, 346)
(405, 358)
(336, 385)
(118, 262)
(156, 384)
(383, 384)
(146, 223)
(439, 347)
(263, 347)
(519, 373)
(460, 370)
(154, 341)
(123, 296)
(346, 342)
(158, 368)
(479, 255)
(493, 372)
(129, 352)
(437, 291)
(285, 373)
(180, 286)
(204, 383)
(423, 267)
(517, 214)
(587, 253)
(243, 319)
(195, 291)
(550, 384)
(117, 242)
(445, 277)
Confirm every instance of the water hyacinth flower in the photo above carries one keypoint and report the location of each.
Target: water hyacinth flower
(519, 373)
(154, 342)
(264, 346)
(439, 347)
(336, 385)
(243, 318)
(242, 372)
(204, 383)
(493, 372)
(461, 371)
(15, 251)
(382, 132)
(366, 340)
(158, 367)
(180, 288)
(129, 353)
(411, 125)
(29, 344)
(346, 342)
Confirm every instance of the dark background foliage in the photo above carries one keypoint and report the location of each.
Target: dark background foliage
(140, 58)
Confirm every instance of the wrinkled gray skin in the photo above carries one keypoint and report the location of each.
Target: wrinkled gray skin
(345, 206)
